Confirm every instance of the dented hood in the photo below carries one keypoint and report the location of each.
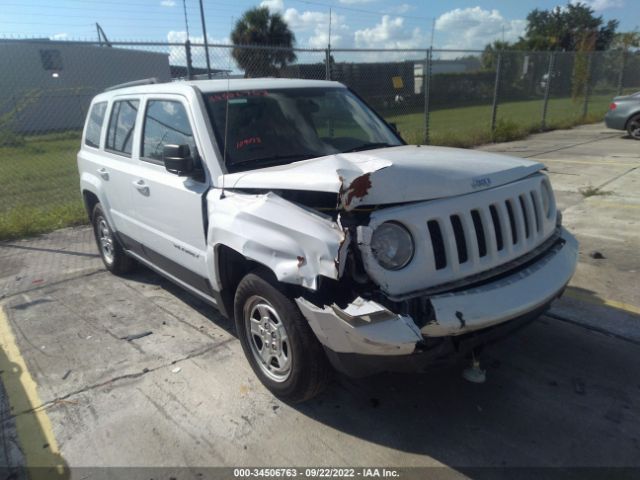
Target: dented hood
(406, 173)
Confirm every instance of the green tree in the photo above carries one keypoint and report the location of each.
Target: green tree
(626, 40)
(260, 27)
(573, 27)
(490, 53)
(627, 44)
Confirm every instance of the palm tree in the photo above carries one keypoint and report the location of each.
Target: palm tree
(258, 26)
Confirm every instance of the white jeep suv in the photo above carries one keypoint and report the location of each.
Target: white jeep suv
(296, 210)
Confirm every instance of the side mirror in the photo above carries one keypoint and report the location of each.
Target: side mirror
(177, 159)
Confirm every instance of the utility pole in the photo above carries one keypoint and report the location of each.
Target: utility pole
(327, 55)
(329, 28)
(206, 42)
(186, 21)
(433, 32)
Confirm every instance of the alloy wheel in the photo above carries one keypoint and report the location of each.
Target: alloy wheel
(268, 338)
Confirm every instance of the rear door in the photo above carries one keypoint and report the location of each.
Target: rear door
(170, 210)
(116, 161)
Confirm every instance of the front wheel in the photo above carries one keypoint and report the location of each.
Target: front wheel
(277, 340)
(633, 127)
(113, 255)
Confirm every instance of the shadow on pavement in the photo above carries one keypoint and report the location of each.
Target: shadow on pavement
(557, 395)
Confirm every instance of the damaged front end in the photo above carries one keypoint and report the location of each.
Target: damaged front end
(366, 336)
(372, 319)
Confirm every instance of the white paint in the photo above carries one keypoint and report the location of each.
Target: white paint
(421, 272)
(395, 335)
(505, 299)
(413, 173)
(277, 234)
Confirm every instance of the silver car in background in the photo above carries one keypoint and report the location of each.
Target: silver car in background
(624, 114)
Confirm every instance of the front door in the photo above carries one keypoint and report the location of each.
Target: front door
(170, 213)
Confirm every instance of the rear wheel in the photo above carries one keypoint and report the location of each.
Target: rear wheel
(113, 255)
(633, 126)
(277, 340)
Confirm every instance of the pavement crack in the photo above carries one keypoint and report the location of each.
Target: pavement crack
(599, 187)
(65, 398)
(593, 140)
(592, 328)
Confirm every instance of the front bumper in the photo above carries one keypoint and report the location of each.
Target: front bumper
(368, 329)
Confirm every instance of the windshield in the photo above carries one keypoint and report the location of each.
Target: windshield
(274, 127)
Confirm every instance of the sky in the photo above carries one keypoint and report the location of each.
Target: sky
(409, 24)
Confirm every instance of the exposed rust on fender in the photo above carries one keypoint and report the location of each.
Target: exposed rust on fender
(358, 188)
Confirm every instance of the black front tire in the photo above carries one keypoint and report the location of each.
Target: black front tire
(112, 254)
(309, 370)
(633, 127)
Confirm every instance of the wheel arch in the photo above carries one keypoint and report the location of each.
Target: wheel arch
(631, 115)
(231, 267)
(90, 201)
(92, 193)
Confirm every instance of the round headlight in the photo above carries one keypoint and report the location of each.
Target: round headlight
(547, 199)
(392, 245)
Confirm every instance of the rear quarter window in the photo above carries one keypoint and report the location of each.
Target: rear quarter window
(94, 124)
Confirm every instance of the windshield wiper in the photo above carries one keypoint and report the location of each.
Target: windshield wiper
(274, 159)
(368, 146)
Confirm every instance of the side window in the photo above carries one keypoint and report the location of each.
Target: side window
(121, 126)
(165, 122)
(94, 124)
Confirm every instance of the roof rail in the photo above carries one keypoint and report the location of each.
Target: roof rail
(144, 81)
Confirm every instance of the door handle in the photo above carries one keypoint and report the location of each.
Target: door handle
(103, 173)
(141, 187)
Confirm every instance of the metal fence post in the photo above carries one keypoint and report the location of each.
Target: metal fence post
(547, 90)
(426, 85)
(585, 105)
(187, 52)
(496, 91)
(621, 74)
(327, 63)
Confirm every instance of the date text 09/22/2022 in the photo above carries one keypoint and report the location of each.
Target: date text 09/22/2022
(323, 472)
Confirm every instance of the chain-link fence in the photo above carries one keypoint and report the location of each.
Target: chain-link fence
(458, 98)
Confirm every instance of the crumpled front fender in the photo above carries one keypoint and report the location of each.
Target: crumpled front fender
(295, 243)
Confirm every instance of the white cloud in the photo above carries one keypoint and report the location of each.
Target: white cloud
(473, 28)
(316, 25)
(311, 27)
(218, 57)
(273, 5)
(60, 36)
(354, 2)
(168, 3)
(389, 33)
(600, 5)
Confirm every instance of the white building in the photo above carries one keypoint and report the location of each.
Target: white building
(47, 85)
